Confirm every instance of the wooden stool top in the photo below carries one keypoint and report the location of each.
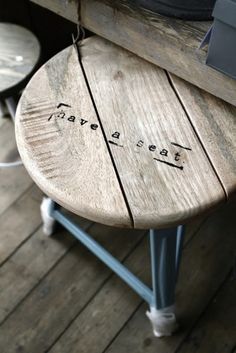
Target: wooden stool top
(130, 156)
(19, 54)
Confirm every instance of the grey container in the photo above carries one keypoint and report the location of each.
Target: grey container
(222, 46)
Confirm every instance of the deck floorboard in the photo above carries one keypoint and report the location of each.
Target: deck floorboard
(57, 297)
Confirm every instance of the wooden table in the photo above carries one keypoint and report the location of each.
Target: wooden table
(114, 139)
(167, 42)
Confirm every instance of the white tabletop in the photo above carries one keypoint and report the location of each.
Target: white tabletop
(19, 53)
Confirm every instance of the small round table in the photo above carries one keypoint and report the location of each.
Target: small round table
(19, 56)
(103, 134)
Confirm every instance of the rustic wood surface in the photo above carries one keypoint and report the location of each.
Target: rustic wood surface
(68, 159)
(169, 43)
(195, 290)
(12, 185)
(25, 213)
(135, 99)
(82, 276)
(19, 54)
(215, 123)
(217, 321)
(67, 301)
(164, 174)
(207, 260)
(8, 152)
(50, 303)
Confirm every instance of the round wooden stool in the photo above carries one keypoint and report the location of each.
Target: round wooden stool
(105, 136)
(19, 55)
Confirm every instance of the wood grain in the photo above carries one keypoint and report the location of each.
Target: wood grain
(215, 123)
(135, 99)
(61, 294)
(215, 331)
(206, 262)
(8, 152)
(19, 54)
(29, 264)
(26, 215)
(68, 159)
(68, 295)
(169, 43)
(113, 321)
(64, 8)
(64, 292)
(110, 309)
(12, 184)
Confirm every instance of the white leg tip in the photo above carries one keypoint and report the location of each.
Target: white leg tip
(48, 221)
(163, 321)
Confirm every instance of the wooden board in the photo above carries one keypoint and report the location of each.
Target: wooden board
(26, 215)
(61, 293)
(12, 185)
(169, 43)
(146, 128)
(19, 54)
(74, 293)
(215, 331)
(62, 146)
(215, 123)
(113, 321)
(206, 263)
(29, 264)
(64, 292)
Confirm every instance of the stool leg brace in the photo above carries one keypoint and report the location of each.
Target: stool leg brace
(165, 245)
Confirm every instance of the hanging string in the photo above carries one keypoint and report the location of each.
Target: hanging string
(80, 35)
(80, 31)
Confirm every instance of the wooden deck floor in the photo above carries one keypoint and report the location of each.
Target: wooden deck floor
(56, 297)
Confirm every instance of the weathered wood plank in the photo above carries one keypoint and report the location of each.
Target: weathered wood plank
(215, 332)
(146, 128)
(206, 263)
(169, 43)
(8, 152)
(62, 294)
(66, 9)
(215, 123)
(29, 264)
(62, 145)
(13, 181)
(100, 321)
(19, 221)
(67, 288)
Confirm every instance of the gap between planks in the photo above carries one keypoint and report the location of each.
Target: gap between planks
(15, 181)
(56, 269)
(27, 280)
(104, 136)
(75, 260)
(213, 258)
(195, 132)
(26, 215)
(220, 315)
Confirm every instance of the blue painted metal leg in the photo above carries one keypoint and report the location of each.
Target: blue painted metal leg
(104, 256)
(163, 261)
(179, 247)
(165, 247)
